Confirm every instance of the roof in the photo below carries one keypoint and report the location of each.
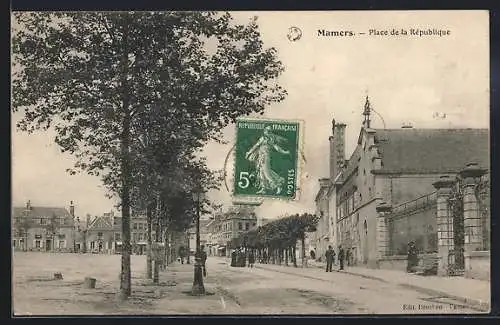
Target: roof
(47, 212)
(101, 222)
(432, 150)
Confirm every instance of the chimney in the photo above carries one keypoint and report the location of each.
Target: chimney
(72, 209)
(340, 146)
(337, 149)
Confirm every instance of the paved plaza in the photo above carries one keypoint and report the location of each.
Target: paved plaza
(265, 289)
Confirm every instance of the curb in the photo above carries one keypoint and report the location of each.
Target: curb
(472, 303)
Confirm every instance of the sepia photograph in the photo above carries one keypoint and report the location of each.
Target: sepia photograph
(250, 163)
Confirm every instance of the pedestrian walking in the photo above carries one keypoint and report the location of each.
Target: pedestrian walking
(329, 258)
(181, 254)
(341, 257)
(203, 256)
(233, 258)
(412, 259)
(251, 259)
(348, 256)
(313, 255)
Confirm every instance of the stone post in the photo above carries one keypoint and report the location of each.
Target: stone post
(383, 236)
(472, 218)
(444, 223)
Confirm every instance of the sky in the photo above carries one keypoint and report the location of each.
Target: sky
(409, 79)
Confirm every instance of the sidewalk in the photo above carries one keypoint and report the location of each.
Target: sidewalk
(472, 292)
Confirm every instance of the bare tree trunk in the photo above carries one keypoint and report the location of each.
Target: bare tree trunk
(157, 261)
(303, 248)
(149, 258)
(287, 254)
(188, 254)
(125, 278)
(166, 248)
(294, 255)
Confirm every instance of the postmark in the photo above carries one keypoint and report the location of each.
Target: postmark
(267, 158)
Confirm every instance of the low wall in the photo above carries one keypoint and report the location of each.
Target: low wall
(477, 265)
(399, 262)
(395, 262)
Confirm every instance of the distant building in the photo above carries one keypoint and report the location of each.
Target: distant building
(227, 226)
(203, 235)
(103, 234)
(43, 229)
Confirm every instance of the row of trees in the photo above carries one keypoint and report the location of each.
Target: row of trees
(278, 239)
(136, 96)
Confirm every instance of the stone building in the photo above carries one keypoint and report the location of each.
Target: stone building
(228, 226)
(326, 198)
(393, 172)
(103, 234)
(43, 229)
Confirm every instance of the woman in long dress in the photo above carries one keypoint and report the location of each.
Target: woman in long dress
(260, 154)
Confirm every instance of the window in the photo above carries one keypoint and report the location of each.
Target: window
(366, 227)
(43, 221)
(115, 221)
(253, 224)
(140, 226)
(240, 226)
(117, 236)
(62, 244)
(134, 226)
(92, 245)
(61, 220)
(38, 244)
(61, 236)
(247, 226)
(99, 234)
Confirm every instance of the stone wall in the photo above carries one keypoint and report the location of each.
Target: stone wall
(477, 265)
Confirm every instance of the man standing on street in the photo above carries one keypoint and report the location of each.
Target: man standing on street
(203, 259)
(341, 257)
(330, 255)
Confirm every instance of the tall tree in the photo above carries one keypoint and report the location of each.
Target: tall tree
(92, 76)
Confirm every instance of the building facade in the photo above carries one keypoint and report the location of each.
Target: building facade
(43, 229)
(395, 168)
(225, 227)
(326, 198)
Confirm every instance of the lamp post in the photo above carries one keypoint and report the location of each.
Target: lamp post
(198, 287)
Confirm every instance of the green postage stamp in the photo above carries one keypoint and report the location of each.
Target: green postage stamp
(267, 156)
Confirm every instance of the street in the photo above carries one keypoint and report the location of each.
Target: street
(313, 291)
(265, 289)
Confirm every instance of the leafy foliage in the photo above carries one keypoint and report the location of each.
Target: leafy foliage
(135, 96)
(280, 233)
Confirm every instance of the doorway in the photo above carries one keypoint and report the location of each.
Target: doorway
(48, 245)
